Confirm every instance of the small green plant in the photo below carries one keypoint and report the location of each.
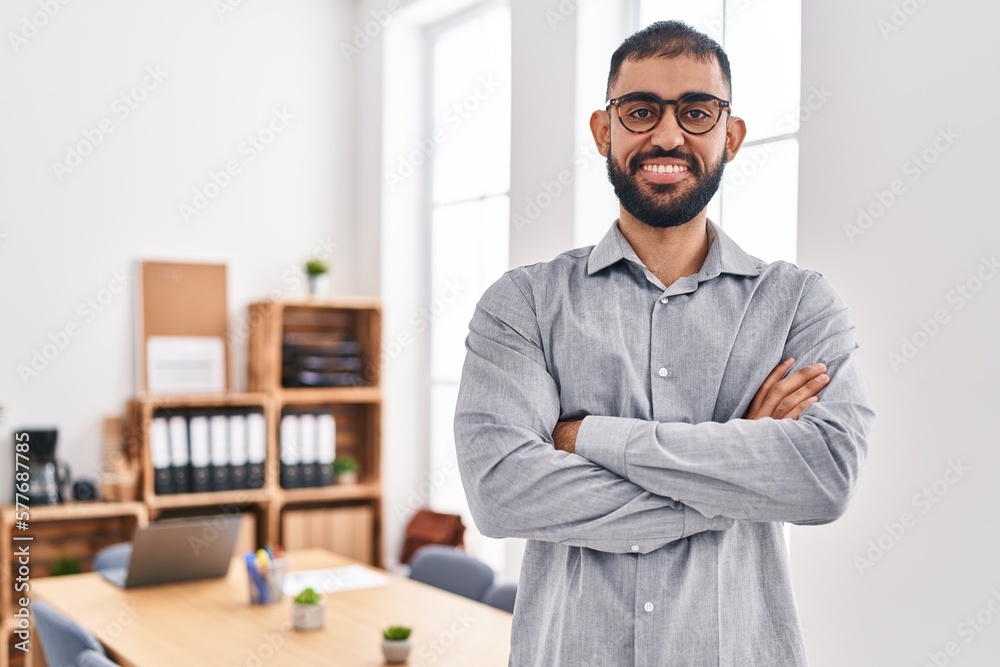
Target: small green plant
(308, 596)
(316, 267)
(396, 633)
(344, 464)
(66, 565)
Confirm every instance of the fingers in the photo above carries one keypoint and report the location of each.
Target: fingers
(772, 379)
(798, 409)
(806, 391)
(786, 388)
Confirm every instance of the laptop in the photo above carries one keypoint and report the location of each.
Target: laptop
(177, 550)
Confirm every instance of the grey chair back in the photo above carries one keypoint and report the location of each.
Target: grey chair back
(113, 556)
(91, 658)
(62, 639)
(501, 596)
(452, 570)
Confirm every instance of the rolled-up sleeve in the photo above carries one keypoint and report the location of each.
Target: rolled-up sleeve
(517, 483)
(800, 471)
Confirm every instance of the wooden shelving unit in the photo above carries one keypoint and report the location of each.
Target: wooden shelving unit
(344, 518)
(356, 409)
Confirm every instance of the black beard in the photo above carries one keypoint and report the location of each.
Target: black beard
(678, 210)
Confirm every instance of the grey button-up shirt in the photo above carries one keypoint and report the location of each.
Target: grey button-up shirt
(659, 543)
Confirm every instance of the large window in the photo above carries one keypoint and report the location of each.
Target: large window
(758, 202)
(469, 219)
(467, 197)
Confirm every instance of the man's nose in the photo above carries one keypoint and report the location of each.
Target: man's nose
(668, 133)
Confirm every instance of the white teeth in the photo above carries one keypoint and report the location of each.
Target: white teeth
(664, 168)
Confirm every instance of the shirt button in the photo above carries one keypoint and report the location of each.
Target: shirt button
(664, 300)
(648, 607)
(663, 372)
(634, 547)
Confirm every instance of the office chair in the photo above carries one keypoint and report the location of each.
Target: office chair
(452, 570)
(113, 556)
(91, 658)
(501, 596)
(62, 639)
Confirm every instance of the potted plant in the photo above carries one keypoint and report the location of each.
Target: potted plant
(66, 565)
(319, 279)
(396, 643)
(309, 610)
(345, 470)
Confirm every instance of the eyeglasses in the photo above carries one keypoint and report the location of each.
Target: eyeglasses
(696, 113)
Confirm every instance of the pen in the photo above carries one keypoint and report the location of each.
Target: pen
(256, 581)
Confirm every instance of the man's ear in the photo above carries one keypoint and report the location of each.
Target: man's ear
(600, 127)
(736, 132)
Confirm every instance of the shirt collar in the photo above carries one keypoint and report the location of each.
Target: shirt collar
(724, 255)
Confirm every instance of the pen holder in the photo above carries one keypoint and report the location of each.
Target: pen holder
(266, 580)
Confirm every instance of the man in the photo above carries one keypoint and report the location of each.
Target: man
(647, 412)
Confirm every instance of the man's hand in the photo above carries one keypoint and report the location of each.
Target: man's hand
(779, 398)
(786, 397)
(564, 435)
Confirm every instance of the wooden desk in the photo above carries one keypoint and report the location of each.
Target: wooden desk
(76, 530)
(212, 622)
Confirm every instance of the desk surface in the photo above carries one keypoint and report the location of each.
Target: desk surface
(212, 622)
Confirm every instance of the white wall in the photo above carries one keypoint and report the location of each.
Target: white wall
(62, 241)
(539, 153)
(933, 560)
(543, 131)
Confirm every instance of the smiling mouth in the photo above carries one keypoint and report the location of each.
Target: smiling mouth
(664, 168)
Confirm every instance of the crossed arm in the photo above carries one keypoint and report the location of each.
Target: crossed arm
(520, 485)
(780, 462)
(780, 396)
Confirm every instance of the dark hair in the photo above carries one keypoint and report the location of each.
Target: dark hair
(669, 39)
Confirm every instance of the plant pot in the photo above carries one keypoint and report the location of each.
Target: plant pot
(396, 652)
(347, 478)
(309, 616)
(319, 286)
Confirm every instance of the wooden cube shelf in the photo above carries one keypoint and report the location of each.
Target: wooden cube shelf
(336, 344)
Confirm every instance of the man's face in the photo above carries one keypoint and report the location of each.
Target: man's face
(666, 177)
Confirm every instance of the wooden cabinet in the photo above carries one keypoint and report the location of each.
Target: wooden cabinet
(309, 357)
(323, 357)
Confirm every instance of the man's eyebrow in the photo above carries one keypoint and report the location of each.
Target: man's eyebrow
(684, 94)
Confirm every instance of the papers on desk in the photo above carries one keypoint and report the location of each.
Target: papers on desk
(333, 580)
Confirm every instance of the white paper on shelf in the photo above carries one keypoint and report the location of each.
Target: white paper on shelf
(220, 440)
(159, 443)
(179, 364)
(333, 580)
(179, 440)
(290, 454)
(199, 441)
(307, 438)
(326, 439)
(256, 437)
(237, 439)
